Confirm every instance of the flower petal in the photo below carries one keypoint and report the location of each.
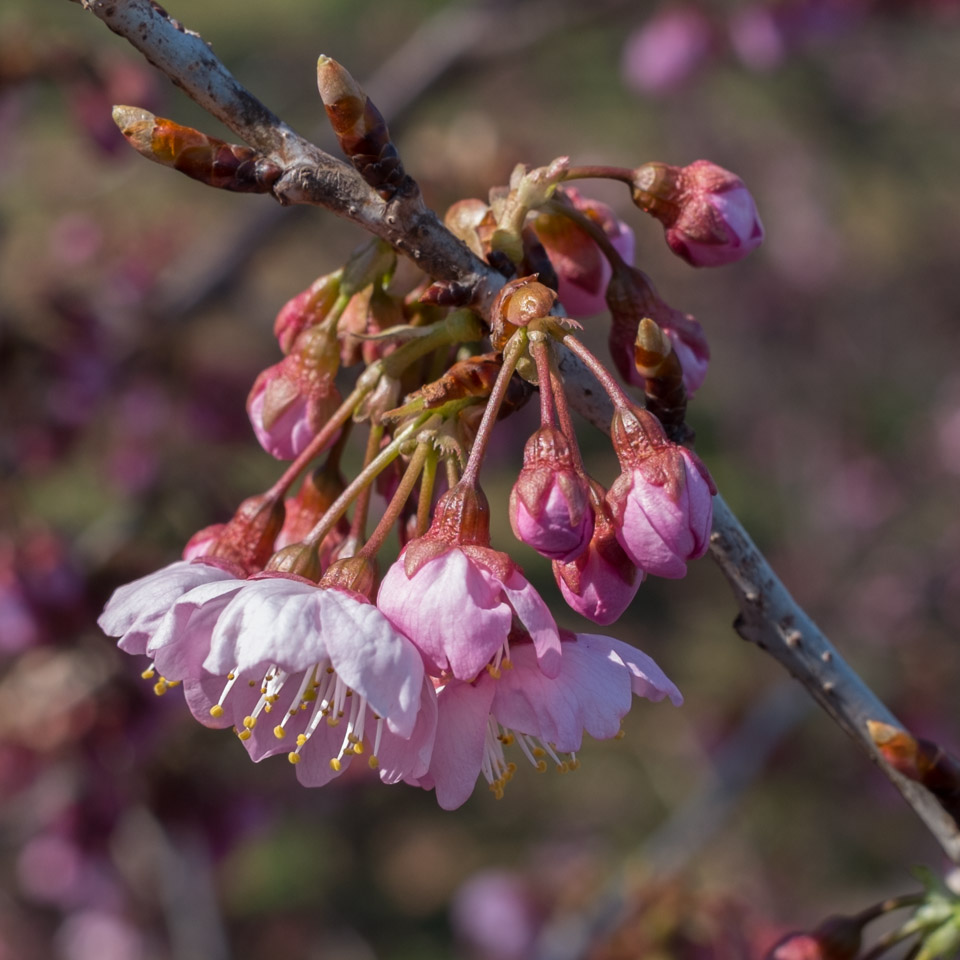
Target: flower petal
(647, 679)
(536, 617)
(136, 609)
(463, 711)
(409, 759)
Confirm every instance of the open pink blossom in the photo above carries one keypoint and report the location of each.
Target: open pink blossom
(457, 598)
(582, 270)
(458, 608)
(662, 503)
(135, 610)
(543, 717)
(336, 677)
(549, 503)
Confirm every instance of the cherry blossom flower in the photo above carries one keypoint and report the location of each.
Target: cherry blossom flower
(545, 718)
(313, 657)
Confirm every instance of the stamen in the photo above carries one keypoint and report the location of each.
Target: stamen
(149, 673)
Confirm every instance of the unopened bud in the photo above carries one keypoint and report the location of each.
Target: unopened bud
(359, 127)
(517, 303)
(247, 541)
(227, 166)
(837, 938)
(708, 214)
(549, 504)
(356, 574)
(462, 516)
(300, 559)
(307, 308)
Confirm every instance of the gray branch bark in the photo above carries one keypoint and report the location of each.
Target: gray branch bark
(769, 616)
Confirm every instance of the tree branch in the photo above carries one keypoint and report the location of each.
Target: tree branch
(311, 175)
(769, 616)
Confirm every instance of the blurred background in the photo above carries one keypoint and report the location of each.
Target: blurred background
(136, 309)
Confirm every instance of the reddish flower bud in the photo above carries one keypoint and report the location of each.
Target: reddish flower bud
(247, 541)
(306, 309)
(837, 938)
(631, 297)
(202, 541)
(549, 503)
(602, 582)
(662, 502)
(582, 270)
(291, 401)
(708, 214)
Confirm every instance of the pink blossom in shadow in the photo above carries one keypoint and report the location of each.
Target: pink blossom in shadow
(543, 717)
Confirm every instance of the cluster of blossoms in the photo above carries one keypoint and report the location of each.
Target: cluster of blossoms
(273, 622)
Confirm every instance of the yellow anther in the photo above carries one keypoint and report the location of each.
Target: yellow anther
(373, 763)
(541, 766)
(293, 757)
(249, 722)
(353, 738)
(216, 710)
(574, 764)
(148, 674)
(506, 739)
(493, 671)
(293, 711)
(251, 683)
(537, 751)
(231, 676)
(173, 683)
(279, 732)
(563, 767)
(349, 693)
(160, 687)
(266, 708)
(263, 690)
(506, 664)
(329, 669)
(358, 748)
(334, 720)
(310, 695)
(244, 734)
(335, 764)
(620, 734)
(301, 739)
(509, 772)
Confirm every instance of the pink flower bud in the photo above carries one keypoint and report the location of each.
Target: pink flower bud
(549, 505)
(708, 214)
(662, 502)
(837, 938)
(203, 541)
(582, 270)
(306, 309)
(291, 401)
(602, 582)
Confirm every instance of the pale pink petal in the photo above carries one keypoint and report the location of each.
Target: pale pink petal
(649, 548)
(136, 609)
(204, 693)
(604, 594)
(182, 641)
(371, 657)
(452, 612)
(700, 504)
(536, 617)
(463, 711)
(592, 693)
(409, 759)
(289, 434)
(272, 620)
(647, 679)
